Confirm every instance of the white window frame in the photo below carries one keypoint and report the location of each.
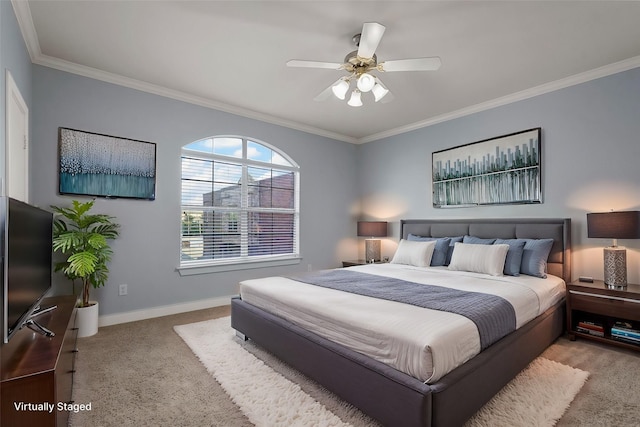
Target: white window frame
(244, 261)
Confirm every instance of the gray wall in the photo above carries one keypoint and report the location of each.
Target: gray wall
(147, 253)
(590, 153)
(590, 147)
(15, 59)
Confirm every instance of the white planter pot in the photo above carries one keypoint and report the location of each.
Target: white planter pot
(87, 320)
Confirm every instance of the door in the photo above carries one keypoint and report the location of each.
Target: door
(17, 143)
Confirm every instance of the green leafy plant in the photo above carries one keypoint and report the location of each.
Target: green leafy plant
(83, 238)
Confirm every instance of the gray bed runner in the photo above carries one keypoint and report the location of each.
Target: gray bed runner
(493, 315)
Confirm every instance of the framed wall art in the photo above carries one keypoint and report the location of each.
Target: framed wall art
(501, 170)
(93, 164)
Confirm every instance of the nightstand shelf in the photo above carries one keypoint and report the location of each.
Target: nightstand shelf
(595, 303)
(353, 262)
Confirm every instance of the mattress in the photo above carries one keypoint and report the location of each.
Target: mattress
(423, 343)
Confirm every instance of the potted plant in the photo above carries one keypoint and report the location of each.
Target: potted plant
(83, 239)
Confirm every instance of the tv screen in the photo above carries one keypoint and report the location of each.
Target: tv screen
(26, 260)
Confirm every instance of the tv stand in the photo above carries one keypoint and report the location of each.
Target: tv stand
(39, 369)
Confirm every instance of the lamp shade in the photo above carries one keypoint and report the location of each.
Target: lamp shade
(379, 92)
(614, 225)
(372, 228)
(365, 82)
(340, 89)
(355, 100)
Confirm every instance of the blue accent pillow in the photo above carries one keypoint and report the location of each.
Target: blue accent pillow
(477, 240)
(534, 257)
(514, 255)
(441, 250)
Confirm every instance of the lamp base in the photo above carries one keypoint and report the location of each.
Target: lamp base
(372, 250)
(615, 267)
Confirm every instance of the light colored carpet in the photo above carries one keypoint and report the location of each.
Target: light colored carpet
(537, 397)
(142, 374)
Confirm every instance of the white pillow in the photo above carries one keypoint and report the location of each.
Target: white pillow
(487, 259)
(414, 253)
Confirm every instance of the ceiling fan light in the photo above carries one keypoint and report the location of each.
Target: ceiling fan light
(379, 91)
(355, 100)
(340, 89)
(366, 82)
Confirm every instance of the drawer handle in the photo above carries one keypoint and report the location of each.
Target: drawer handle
(609, 297)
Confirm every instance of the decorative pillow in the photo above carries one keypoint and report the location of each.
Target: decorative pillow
(535, 255)
(441, 250)
(479, 258)
(477, 240)
(414, 253)
(452, 244)
(514, 255)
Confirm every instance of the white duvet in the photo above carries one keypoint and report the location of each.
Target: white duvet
(426, 344)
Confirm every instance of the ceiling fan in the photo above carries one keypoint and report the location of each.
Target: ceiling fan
(361, 63)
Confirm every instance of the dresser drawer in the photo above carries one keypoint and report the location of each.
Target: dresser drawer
(607, 305)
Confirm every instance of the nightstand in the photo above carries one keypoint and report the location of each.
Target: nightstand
(357, 262)
(593, 309)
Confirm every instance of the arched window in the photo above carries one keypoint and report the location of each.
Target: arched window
(239, 203)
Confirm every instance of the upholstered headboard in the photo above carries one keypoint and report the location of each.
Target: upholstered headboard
(559, 229)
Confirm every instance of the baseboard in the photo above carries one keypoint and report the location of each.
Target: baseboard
(165, 310)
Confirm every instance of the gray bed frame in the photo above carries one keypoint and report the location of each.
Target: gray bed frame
(393, 397)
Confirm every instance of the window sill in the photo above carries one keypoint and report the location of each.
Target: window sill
(234, 266)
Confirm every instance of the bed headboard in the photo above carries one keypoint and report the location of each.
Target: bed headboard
(559, 229)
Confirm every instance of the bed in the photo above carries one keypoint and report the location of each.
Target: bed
(392, 395)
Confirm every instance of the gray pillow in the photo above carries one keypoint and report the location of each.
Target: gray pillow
(514, 256)
(477, 240)
(534, 257)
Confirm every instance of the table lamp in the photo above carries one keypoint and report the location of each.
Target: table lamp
(614, 225)
(372, 229)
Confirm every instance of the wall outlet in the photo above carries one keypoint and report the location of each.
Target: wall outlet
(122, 289)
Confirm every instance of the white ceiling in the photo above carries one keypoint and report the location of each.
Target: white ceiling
(231, 55)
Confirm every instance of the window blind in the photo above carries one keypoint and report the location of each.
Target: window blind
(237, 209)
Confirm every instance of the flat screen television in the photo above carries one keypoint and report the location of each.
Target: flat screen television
(27, 251)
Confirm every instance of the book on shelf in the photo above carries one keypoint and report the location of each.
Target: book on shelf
(624, 326)
(590, 326)
(590, 331)
(625, 333)
(626, 339)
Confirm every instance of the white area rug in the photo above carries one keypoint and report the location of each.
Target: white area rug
(538, 396)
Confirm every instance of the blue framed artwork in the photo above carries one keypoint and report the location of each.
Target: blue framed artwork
(501, 170)
(99, 165)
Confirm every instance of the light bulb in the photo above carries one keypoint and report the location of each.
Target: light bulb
(379, 91)
(340, 89)
(355, 100)
(366, 82)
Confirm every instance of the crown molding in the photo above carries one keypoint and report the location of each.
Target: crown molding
(607, 70)
(94, 73)
(25, 22)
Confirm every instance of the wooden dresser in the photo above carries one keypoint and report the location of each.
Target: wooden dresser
(39, 370)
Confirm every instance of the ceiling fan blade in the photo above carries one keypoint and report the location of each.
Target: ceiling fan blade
(416, 64)
(314, 64)
(325, 94)
(369, 39)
